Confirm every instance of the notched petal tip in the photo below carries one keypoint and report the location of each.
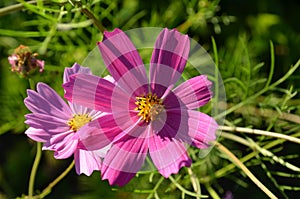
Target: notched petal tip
(108, 34)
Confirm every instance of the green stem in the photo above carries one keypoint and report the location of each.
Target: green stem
(34, 169)
(265, 89)
(13, 8)
(181, 188)
(236, 161)
(48, 189)
(90, 15)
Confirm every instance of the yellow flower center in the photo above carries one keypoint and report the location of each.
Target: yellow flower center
(77, 121)
(149, 107)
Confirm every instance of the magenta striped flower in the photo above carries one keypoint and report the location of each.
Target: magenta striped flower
(57, 124)
(144, 116)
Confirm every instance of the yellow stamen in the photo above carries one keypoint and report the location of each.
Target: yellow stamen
(149, 107)
(77, 121)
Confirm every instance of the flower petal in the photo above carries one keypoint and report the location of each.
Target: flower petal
(76, 68)
(168, 155)
(76, 108)
(194, 92)
(189, 126)
(48, 123)
(38, 135)
(168, 60)
(64, 145)
(124, 159)
(47, 101)
(121, 57)
(86, 162)
(202, 130)
(92, 92)
(104, 130)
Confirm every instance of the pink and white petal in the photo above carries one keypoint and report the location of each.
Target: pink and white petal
(47, 101)
(57, 141)
(168, 60)
(104, 130)
(124, 159)
(192, 127)
(66, 147)
(47, 123)
(38, 135)
(121, 57)
(76, 68)
(92, 92)
(110, 79)
(202, 129)
(86, 162)
(168, 155)
(194, 92)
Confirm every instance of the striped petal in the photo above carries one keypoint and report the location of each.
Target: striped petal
(168, 60)
(105, 130)
(168, 155)
(193, 127)
(86, 162)
(47, 123)
(47, 101)
(125, 159)
(76, 68)
(38, 135)
(123, 62)
(94, 92)
(194, 92)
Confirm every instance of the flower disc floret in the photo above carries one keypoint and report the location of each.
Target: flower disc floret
(149, 107)
(79, 120)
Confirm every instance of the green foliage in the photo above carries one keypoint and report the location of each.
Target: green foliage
(256, 54)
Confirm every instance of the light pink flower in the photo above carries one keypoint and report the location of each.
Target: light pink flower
(57, 124)
(144, 116)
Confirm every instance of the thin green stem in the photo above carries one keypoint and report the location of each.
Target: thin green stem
(48, 189)
(34, 169)
(195, 182)
(260, 132)
(249, 99)
(272, 64)
(90, 15)
(256, 147)
(181, 188)
(156, 187)
(13, 8)
(236, 161)
(212, 192)
(230, 167)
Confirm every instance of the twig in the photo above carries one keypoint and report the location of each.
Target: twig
(263, 151)
(181, 188)
(230, 167)
(260, 132)
(264, 112)
(91, 16)
(235, 160)
(48, 189)
(13, 8)
(195, 182)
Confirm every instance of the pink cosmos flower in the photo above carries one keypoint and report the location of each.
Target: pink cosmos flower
(57, 124)
(144, 116)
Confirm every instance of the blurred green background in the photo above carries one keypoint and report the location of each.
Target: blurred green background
(242, 30)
